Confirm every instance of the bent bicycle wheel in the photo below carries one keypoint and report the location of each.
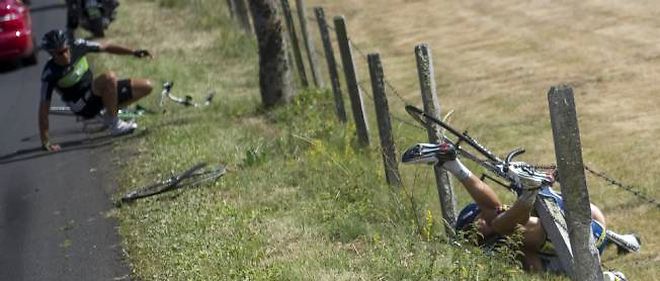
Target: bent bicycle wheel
(196, 175)
(160, 187)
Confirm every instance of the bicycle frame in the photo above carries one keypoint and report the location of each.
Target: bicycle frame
(187, 100)
(491, 162)
(124, 113)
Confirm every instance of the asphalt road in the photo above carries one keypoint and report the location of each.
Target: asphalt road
(53, 207)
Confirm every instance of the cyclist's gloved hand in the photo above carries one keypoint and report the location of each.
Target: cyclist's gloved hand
(51, 147)
(141, 53)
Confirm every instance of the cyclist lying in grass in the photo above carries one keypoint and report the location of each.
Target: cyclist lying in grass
(68, 72)
(492, 219)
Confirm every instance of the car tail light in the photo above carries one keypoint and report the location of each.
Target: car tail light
(11, 19)
(9, 13)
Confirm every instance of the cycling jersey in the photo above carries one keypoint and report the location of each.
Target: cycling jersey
(73, 81)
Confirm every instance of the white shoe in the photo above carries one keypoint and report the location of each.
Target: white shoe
(614, 276)
(122, 128)
(530, 178)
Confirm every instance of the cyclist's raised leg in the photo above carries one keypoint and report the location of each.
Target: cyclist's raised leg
(105, 86)
(131, 90)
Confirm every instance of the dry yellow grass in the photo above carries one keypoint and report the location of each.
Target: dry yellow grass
(495, 62)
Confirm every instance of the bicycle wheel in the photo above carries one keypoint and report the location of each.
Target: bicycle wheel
(208, 174)
(193, 176)
(163, 186)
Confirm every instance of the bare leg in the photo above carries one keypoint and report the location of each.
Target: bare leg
(105, 86)
(533, 238)
(140, 89)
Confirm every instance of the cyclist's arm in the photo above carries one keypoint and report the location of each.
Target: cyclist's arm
(44, 106)
(43, 121)
(122, 50)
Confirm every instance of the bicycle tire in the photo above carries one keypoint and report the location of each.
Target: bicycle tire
(160, 187)
(204, 175)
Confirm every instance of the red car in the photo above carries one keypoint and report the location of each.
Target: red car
(16, 40)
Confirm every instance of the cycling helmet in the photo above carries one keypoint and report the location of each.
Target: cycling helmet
(53, 40)
(467, 216)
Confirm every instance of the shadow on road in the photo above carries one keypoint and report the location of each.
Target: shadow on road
(9, 66)
(68, 146)
(53, 133)
(46, 8)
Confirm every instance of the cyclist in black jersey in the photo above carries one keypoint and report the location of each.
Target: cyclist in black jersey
(68, 72)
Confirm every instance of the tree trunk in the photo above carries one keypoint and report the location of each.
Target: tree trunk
(274, 72)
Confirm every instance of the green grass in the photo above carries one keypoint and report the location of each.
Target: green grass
(299, 201)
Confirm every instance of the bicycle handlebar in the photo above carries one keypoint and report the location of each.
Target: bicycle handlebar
(510, 156)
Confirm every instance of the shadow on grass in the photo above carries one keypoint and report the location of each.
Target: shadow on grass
(68, 146)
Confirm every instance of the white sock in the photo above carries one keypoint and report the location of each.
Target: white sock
(456, 168)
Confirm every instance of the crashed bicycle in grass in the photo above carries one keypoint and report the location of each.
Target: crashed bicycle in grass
(548, 204)
(196, 175)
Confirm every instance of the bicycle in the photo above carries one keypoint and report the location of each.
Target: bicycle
(194, 176)
(123, 113)
(95, 124)
(185, 101)
(548, 207)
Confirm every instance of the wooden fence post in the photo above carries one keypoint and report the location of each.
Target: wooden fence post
(332, 64)
(426, 74)
(352, 81)
(568, 152)
(388, 149)
(243, 15)
(294, 42)
(309, 45)
(232, 8)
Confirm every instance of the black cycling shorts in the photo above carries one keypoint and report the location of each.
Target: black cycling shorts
(94, 104)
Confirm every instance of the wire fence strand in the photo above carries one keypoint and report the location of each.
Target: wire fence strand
(633, 190)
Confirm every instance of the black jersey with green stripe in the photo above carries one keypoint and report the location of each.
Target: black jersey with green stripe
(71, 81)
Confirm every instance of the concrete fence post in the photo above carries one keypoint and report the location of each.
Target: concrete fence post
(427, 84)
(570, 166)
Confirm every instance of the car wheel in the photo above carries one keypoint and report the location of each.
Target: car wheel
(32, 58)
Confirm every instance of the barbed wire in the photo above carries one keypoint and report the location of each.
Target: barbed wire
(626, 187)
(392, 115)
(610, 180)
(387, 82)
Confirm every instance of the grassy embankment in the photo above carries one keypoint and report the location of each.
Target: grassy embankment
(299, 203)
